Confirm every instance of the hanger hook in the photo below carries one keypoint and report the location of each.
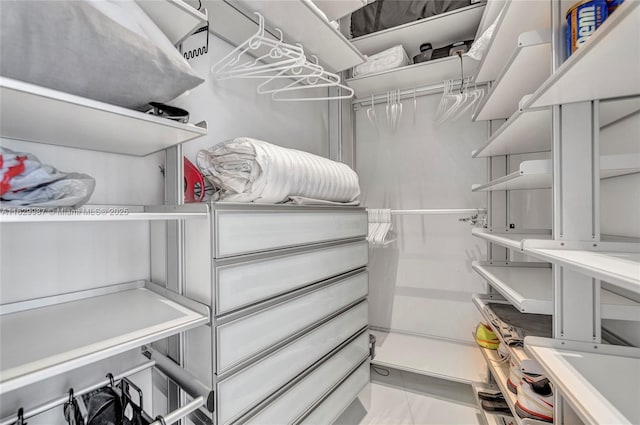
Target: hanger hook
(20, 420)
(461, 71)
(70, 395)
(111, 380)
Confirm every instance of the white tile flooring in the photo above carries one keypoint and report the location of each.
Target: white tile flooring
(404, 398)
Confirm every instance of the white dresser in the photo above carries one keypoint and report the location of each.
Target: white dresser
(287, 287)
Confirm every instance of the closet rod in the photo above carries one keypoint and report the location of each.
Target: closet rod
(441, 211)
(184, 379)
(61, 400)
(404, 94)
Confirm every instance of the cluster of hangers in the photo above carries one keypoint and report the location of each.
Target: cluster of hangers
(455, 102)
(284, 69)
(380, 227)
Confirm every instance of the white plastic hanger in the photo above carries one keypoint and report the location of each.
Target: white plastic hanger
(230, 67)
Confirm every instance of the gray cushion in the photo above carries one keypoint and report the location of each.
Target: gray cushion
(79, 47)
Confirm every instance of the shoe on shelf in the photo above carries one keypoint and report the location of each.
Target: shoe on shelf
(486, 338)
(503, 352)
(515, 376)
(535, 398)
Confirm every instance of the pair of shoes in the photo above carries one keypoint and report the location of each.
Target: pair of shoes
(535, 394)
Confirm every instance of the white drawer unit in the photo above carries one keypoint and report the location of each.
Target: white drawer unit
(245, 389)
(333, 406)
(246, 337)
(287, 287)
(304, 395)
(239, 229)
(242, 284)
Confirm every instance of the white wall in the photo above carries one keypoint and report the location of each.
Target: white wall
(423, 283)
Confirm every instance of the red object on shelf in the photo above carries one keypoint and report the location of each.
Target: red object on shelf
(193, 183)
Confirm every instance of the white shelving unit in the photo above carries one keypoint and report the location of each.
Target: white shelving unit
(301, 23)
(97, 323)
(439, 30)
(616, 263)
(516, 17)
(104, 213)
(532, 57)
(606, 53)
(537, 174)
(490, 418)
(598, 381)
(528, 131)
(524, 132)
(38, 114)
(528, 287)
(411, 76)
(509, 240)
(175, 18)
(429, 356)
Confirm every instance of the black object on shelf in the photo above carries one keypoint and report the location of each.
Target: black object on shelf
(426, 50)
(495, 406)
(452, 49)
(169, 112)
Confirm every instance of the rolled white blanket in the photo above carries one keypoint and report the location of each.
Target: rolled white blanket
(249, 170)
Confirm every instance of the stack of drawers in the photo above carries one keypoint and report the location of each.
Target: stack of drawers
(287, 286)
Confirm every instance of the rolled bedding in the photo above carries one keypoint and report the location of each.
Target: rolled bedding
(250, 170)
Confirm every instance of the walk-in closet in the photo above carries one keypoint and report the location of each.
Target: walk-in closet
(350, 212)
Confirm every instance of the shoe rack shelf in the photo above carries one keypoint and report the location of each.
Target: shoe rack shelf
(599, 381)
(68, 120)
(490, 418)
(500, 372)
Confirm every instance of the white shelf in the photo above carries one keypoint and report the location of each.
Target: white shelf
(524, 132)
(45, 337)
(531, 59)
(37, 114)
(537, 174)
(450, 360)
(517, 17)
(302, 24)
(411, 76)
(102, 213)
(490, 418)
(439, 30)
(481, 301)
(600, 382)
(529, 131)
(500, 372)
(508, 240)
(528, 287)
(337, 9)
(175, 18)
(615, 263)
(604, 67)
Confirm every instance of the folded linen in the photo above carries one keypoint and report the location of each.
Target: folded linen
(250, 170)
(394, 57)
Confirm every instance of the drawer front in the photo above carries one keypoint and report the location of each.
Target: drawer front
(243, 284)
(245, 389)
(248, 336)
(244, 232)
(293, 403)
(333, 406)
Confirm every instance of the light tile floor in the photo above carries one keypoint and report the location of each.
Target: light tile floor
(404, 398)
